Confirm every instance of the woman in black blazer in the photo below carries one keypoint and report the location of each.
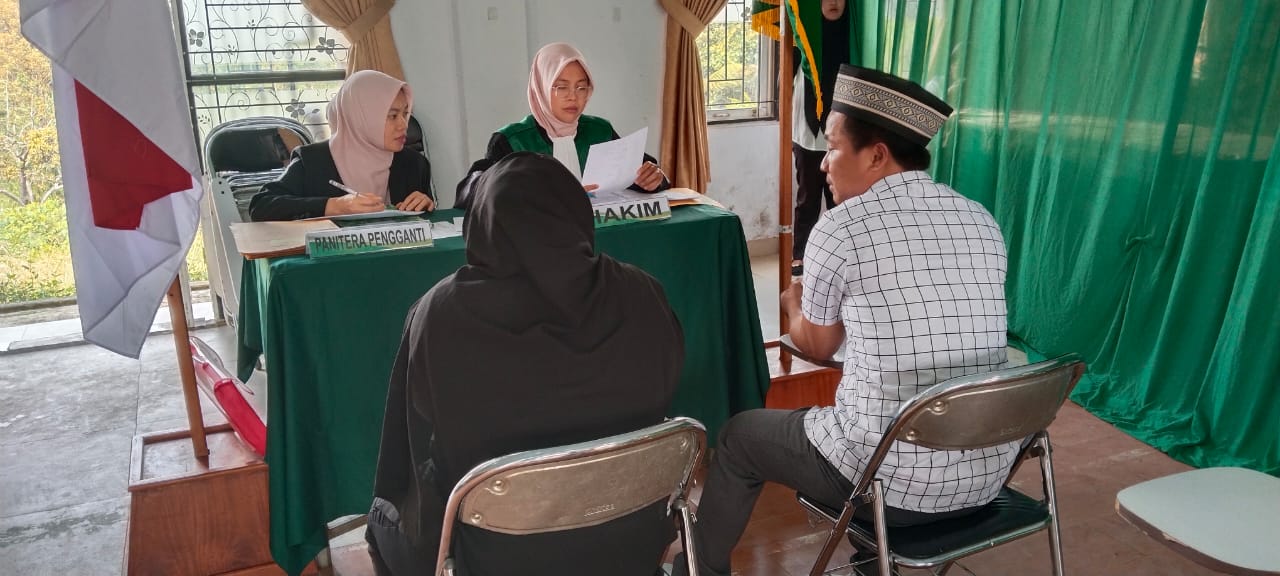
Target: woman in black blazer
(366, 154)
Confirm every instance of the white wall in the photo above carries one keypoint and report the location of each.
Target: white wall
(744, 174)
(468, 63)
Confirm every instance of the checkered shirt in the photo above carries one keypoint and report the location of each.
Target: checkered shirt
(916, 272)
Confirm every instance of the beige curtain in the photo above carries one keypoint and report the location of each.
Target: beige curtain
(684, 117)
(368, 31)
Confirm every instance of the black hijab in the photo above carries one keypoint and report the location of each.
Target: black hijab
(536, 342)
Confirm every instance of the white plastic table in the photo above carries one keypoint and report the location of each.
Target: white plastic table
(1226, 519)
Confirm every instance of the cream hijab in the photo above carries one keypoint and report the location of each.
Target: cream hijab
(358, 115)
(550, 61)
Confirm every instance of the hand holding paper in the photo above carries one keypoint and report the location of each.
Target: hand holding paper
(612, 165)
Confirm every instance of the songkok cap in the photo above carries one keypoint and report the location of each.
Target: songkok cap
(895, 104)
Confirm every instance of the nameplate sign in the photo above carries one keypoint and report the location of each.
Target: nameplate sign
(654, 207)
(372, 238)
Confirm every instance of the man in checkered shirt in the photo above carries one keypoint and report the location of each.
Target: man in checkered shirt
(906, 276)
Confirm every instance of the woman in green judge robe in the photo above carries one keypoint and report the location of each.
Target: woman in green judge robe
(560, 86)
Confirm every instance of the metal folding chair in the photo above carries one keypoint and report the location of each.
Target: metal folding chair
(965, 413)
(580, 485)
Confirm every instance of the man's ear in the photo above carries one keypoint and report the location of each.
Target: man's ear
(880, 157)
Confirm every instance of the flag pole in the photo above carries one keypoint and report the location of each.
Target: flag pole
(785, 205)
(182, 345)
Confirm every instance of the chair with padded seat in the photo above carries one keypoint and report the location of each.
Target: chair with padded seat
(964, 413)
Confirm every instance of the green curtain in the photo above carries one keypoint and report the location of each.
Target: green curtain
(1128, 150)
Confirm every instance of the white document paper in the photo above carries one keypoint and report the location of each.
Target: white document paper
(441, 230)
(266, 237)
(616, 196)
(612, 165)
(681, 194)
(372, 215)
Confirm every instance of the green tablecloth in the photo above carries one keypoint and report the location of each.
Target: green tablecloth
(330, 329)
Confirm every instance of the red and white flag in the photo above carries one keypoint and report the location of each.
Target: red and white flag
(130, 170)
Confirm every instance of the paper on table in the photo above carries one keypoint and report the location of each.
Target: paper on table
(685, 197)
(441, 230)
(372, 215)
(612, 165)
(681, 194)
(268, 239)
(615, 196)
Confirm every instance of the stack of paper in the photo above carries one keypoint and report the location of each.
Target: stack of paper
(271, 239)
(685, 196)
(392, 213)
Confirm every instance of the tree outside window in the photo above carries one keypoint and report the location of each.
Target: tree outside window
(737, 67)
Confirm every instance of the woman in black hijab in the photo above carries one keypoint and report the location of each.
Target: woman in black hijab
(536, 342)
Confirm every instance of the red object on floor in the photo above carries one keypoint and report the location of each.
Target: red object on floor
(226, 392)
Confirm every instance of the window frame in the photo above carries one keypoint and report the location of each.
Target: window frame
(194, 81)
(767, 76)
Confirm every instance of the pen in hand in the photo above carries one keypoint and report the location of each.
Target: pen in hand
(339, 186)
(352, 202)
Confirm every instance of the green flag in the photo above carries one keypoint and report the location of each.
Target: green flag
(806, 30)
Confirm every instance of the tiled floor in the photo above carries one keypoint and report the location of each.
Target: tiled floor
(68, 414)
(764, 270)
